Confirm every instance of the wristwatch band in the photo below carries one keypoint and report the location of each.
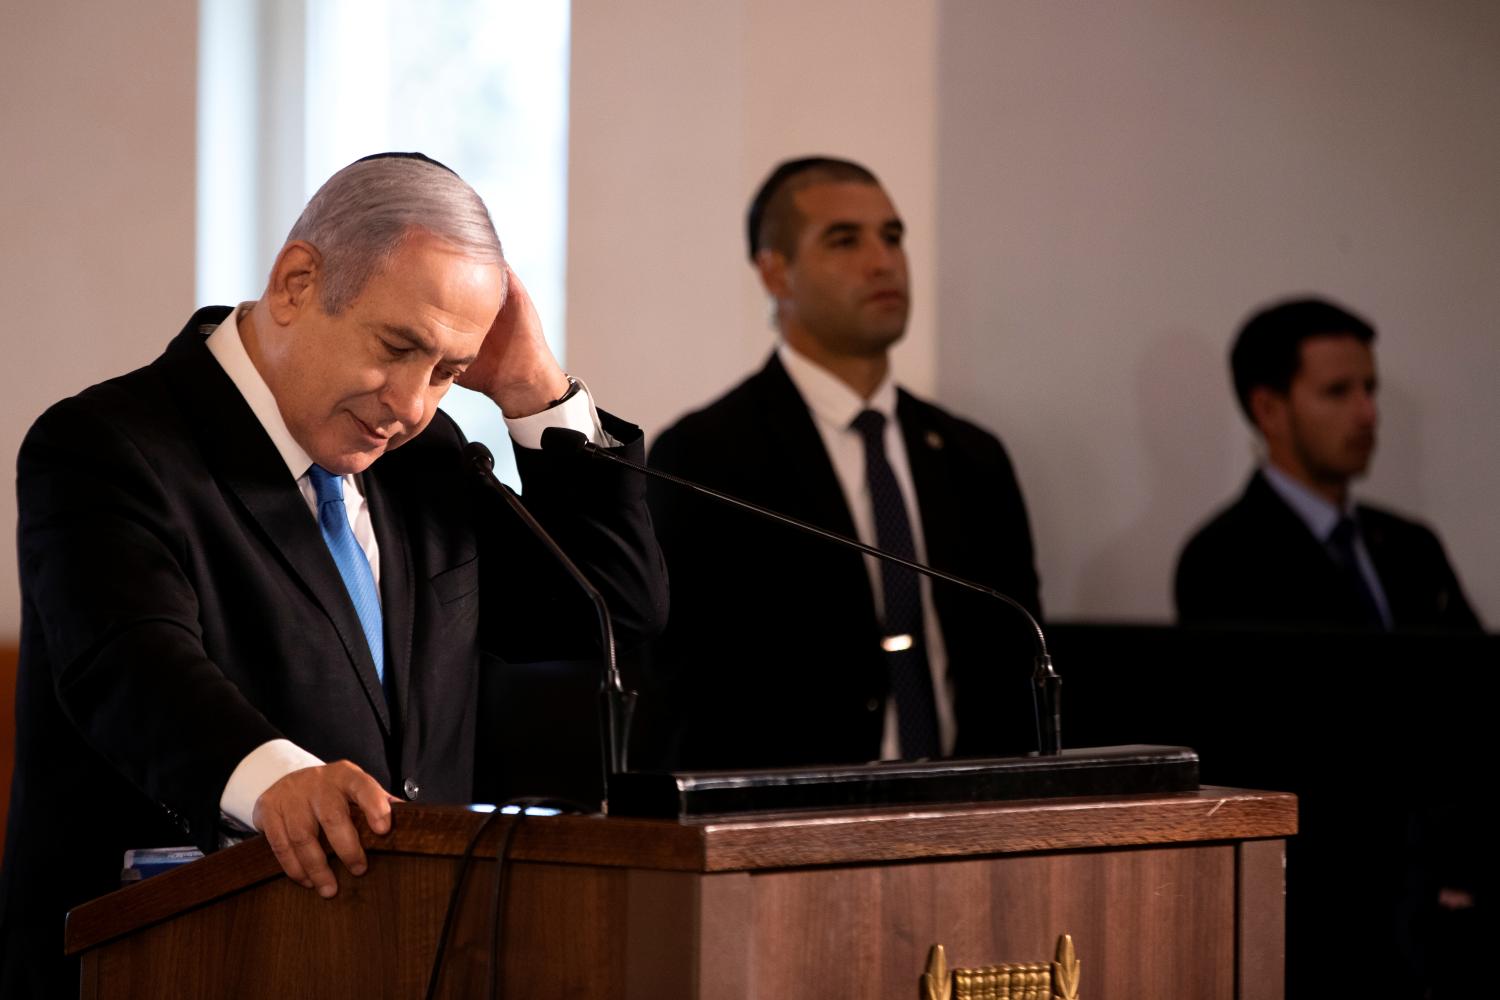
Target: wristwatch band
(573, 386)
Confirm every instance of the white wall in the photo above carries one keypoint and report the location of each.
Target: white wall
(1120, 183)
(96, 194)
(1098, 194)
(679, 110)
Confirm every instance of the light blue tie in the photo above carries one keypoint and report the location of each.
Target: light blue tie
(350, 559)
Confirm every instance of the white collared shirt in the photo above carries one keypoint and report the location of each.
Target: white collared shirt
(271, 761)
(834, 406)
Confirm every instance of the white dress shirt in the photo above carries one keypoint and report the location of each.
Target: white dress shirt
(271, 761)
(834, 406)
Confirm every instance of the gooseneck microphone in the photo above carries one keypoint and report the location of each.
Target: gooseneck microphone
(618, 703)
(1046, 684)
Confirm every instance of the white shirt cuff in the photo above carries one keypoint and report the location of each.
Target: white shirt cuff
(577, 414)
(261, 768)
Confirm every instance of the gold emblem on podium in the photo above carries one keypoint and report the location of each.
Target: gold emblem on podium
(1055, 980)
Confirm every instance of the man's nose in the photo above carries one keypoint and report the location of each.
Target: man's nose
(405, 396)
(882, 258)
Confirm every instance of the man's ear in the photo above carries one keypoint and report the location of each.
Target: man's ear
(771, 265)
(295, 279)
(1268, 408)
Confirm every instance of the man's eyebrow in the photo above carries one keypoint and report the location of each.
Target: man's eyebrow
(847, 228)
(412, 336)
(840, 229)
(420, 341)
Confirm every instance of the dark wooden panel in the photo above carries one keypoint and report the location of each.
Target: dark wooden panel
(377, 938)
(1261, 953)
(576, 918)
(726, 954)
(660, 932)
(1148, 923)
(431, 832)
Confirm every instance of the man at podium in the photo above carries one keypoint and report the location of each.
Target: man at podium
(259, 579)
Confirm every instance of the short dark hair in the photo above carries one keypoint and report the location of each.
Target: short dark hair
(1268, 350)
(772, 220)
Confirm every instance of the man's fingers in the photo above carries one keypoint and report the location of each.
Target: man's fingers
(375, 803)
(315, 862)
(333, 815)
(298, 812)
(281, 846)
(302, 829)
(516, 289)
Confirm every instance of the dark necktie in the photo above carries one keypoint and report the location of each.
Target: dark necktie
(905, 645)
(1341, 548)
(333, 519)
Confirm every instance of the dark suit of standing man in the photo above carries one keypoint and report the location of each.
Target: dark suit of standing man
(778, 650)
(194, 662)
(1296, 552)
(1295, 549)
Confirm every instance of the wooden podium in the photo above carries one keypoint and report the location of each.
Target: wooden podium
(1165, 896)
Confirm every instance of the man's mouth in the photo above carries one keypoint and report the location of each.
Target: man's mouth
(374, 436)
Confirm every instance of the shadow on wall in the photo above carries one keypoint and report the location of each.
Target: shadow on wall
(9, 654)
(1401, 481)
(1181, 386)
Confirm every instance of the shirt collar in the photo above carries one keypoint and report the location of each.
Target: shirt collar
(1317, 513)
(830, 399)
(229, 350)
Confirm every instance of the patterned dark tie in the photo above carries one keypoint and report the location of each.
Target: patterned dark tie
(1341, 548)
(905, 645)
(350, 559)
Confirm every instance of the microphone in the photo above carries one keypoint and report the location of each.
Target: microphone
(1046, 684)
(618, 703)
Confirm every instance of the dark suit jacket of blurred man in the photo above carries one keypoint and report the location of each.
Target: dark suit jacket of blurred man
(772, 655)
(180, 608)
(1256, 562)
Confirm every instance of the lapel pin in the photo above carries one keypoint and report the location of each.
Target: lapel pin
(934, 441)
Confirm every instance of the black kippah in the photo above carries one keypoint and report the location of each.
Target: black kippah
(407, 156)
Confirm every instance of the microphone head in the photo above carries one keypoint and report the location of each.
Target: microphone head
(563, 439)
(479, 456)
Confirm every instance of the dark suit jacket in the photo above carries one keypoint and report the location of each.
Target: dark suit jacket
(1256, 562)
(771, 656)
(180, 608)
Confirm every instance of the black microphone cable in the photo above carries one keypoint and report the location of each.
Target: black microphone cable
(499, 891)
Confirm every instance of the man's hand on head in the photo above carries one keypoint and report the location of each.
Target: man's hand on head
(306, 806)
(515, 366)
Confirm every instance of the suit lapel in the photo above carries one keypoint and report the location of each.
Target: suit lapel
(242, 457)
(397, 596)
(1306, 564)
(808, 488)
(1403, 603)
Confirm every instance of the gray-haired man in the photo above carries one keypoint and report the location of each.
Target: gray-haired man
(245, 608)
